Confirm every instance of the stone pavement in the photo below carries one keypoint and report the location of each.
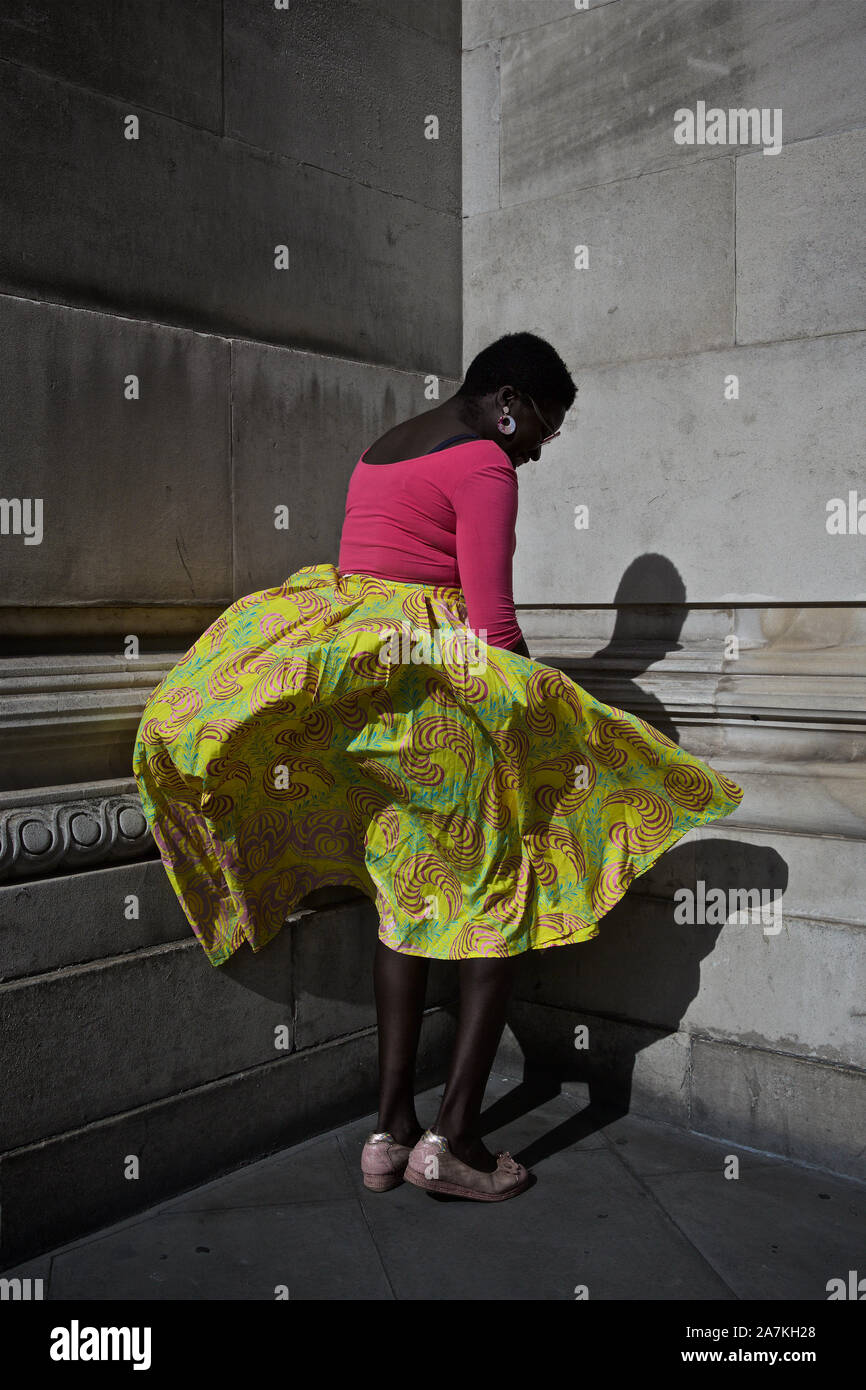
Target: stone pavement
(629, 1207)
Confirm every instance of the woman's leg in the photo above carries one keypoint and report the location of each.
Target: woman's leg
(400, 985)
(485, 985)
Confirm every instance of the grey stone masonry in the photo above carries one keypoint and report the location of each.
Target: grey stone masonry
(672, 194)
(230, 259)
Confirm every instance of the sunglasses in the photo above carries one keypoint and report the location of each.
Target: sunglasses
(547, 438)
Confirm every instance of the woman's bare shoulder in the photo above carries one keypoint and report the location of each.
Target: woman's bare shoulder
(413, 438)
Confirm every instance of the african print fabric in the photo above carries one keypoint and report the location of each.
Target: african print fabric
(346, 729)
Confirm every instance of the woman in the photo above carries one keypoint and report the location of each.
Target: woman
(382, 725)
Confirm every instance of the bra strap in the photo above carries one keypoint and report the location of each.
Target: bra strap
(455, 438)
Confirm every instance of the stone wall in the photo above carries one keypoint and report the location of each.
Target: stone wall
(166, 386)
(169, 378)
(708, 592)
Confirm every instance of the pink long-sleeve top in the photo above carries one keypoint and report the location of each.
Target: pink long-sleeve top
(447, 517)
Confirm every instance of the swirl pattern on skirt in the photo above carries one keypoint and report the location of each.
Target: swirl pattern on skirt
(323, 835)
(395, 785)
(609, 885)
(221, 770)
(385, 824)
(476, 940)
(162, 772)
(365, 803)
(460, 839)
(315, 730)
(559, 786)
(261, 838)
(541, 840)
(513, 744)
(565, 925)
(227, 732)
(216, 805)
(293, 778)
(183, 701)
(227, 679)
(689, 787)
(607, 734)
(426, 871)
(486, 811)
(546, 689)
(432, 735)
(508, 905)
(653, 814)
(497, 796)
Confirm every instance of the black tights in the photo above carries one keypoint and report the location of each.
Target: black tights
(399, 983)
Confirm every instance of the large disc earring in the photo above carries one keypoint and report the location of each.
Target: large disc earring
(507, 424)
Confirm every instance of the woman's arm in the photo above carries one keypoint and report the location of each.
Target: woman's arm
(485, 504)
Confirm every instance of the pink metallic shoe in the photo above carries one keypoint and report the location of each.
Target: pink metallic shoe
(383, 1161)
(434, 1167)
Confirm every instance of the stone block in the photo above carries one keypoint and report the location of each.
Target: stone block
(801, 240)
(99, 627)
(87, 1041)
(798, 993)
(439, 21)
(301, 423)
(819, 876)
(703, 477)
(659, 278)
(184, 226)
(625, 1065)
(125, 50)
(73, 1184)
(69, 721)
(826, 643)
(480, 131)
(332, 966)
(642, 966)
(135, 493)
(792, 984)
(46, 924)
(804, 1110)
(283, 68)
(490, 19)
(590, 98)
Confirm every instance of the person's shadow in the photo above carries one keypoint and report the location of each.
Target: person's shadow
(651, 962)
(634, 982)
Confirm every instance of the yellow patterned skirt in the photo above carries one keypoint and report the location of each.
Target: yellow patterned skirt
(343, 729)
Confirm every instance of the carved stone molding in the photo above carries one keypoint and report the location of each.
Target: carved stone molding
(72, 719)
(786, 718)
(53, 836)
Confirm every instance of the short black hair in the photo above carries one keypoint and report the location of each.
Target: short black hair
(524, 361)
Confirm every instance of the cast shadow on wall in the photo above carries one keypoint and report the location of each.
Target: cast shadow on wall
(633, 984)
